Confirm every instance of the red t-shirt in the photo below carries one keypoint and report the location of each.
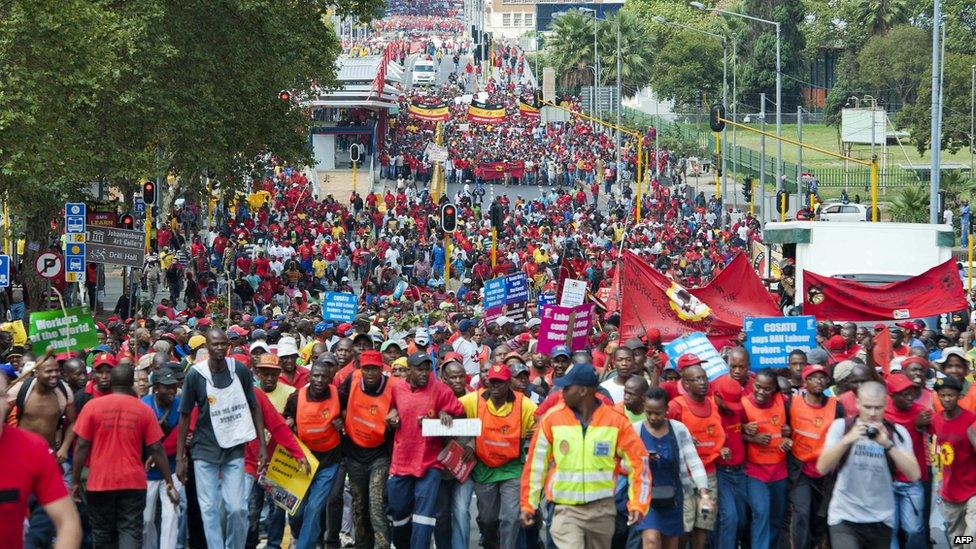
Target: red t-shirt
(414, 454)
(119, 427)
(29, 469)
(958, 456)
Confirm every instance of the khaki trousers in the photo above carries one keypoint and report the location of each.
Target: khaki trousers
(588, 526)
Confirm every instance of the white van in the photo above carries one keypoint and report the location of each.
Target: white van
(424, 72)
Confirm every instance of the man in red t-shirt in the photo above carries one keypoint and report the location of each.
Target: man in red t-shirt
(113, 431)
(955, 441)
(30, 471)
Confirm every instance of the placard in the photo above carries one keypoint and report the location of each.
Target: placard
(505, 290)
(69, 330)
(769, 340)
(574, 293)
(285, 479)
(555, 327)
(341, 306)
(698, 344)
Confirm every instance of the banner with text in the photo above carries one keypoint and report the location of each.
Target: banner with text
(565, 326)
(770, 340)
(341, 306)
(506, 290)
(285, 479)
(69, 330)
(698, 344)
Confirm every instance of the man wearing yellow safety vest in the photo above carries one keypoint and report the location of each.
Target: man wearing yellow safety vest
(574, 453)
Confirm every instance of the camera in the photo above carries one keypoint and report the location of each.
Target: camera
(871, 432)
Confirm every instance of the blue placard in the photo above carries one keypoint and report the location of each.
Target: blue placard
(341, 306)
(545, 299)
(770, 340)
(74, 217)
(138, 205)
(698, 344)
(4, 271)
(506, 290)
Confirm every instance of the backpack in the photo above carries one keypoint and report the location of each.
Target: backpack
(21, 400)
(830, 479)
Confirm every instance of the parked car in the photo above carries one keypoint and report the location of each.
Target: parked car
(424, 72)
(845, 212)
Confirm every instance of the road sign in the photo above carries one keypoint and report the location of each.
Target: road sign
(74, 257)
(74, 277)
(74, 217)
(48, 265)
(4, 271)
(116, 246)
(138, 205)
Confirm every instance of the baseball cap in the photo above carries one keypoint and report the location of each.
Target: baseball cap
(370, 358)
(259, 334)
(730, 392)
(176, 369)
(653, 335)
(268, 360)
(163, 376)
(328, 356)
(499, 372)
(898, 382)
(811, 369)
(393, 343)
(842, 370)
(104, 359)
(635, 343)
(907, 325)
(817, 356)
(518, 368)
(452, 357)
(688, 359)
(321, 327)
(422, 337)
(503, 320)
(196, 342)
(260, 346)
(533, 322)
(560, 350)
(465, 325)
(579, 374)
(836, 343)
(419, 358)
(950, 351)
(948, 382)
(287, 346)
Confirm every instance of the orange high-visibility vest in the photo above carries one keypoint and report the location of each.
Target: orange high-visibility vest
(313, 420)
(770, 422)
(810, 425)
(366, 414)
(706, 431)
(501, 436)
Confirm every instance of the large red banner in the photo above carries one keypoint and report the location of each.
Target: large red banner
(490, 171)
(936, 291)
(738, 292)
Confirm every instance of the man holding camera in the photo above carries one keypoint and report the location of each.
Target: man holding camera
(863, 453)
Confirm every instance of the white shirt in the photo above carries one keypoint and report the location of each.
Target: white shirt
(947, 217)
(469, 351)
(615, 390)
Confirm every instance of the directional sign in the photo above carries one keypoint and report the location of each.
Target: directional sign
(115, 246)
(4, 271)
(138, 205)
(74, 217)
(48, 265)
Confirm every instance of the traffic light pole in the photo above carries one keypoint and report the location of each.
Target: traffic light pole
(718, 167)
(148, 226)
(494, 247)
(447, 257)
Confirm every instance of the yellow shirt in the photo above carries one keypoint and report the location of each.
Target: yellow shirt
(470, 404)
(166, 260)
(17, 332)
(338, 231)
(318, 267)
(279, 396)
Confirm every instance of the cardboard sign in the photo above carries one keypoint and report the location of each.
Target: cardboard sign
(69, 330)
(697, 343)
(770, 340)
(574, 293)
(565, 326)
(285, 479)
(341, 306)
(506, 290)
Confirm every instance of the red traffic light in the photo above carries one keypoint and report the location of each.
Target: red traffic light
(149, 192)
(284, 95)
(127, 221)
(448, 218)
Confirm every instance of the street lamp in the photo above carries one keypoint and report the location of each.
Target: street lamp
(779, 84)
(596, 61)
(660, 19)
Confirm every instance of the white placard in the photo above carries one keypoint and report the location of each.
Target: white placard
(574, 293)
(459, 428)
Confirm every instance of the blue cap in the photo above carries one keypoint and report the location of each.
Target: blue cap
(465, 325)
(579, 374)
(8, 369)
(560, 350)
(323, 326)
(259, 320)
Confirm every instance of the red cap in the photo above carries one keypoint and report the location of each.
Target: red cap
(653, 335)
(811, 369)
(836, 343)
(525, 337)
(689, 359)
(203, 322)
(370, 358)
(908, 325)
(343, 328)
(729, 390)
(879, 326)
(499, 372)
(898, 382)
(914, 360)
(453, 357)
(243, 359)
(104, 359)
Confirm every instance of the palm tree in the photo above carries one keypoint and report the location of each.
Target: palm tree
(636, 52)
(877, 16)
(954, 185)
(910, 205)
(570, 47)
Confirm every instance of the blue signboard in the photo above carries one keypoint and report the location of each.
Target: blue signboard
(74, 257)
(770, 340)
(545, 299)
(698, 344)
(341, 306)
(506, 290)
(4, 271)
(138, 205)
(74, 217)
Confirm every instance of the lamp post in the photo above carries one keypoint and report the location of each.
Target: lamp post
(596, 62)
(779, 82)
(936, 169)
(972, 121)
(725, 84)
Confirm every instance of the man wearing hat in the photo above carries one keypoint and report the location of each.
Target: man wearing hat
(910, 504)
(165, 404)
(507, 419)
(698, 411)
(100, 384)
(268, 371)
(366, 396)
(324, 332)
(414, 467)
(811, 413)
(291, 373)
(583, 464)
(955, 435)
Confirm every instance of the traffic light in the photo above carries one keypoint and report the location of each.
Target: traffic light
(747, 189)
(284, 95)
(127, 221)
(149, 193)
(716, 117)
(496, 216)
(782, 201)
(448, 218)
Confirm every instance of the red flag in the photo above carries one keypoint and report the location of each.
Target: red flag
(882, 352)
(936, 291)
(737, 292)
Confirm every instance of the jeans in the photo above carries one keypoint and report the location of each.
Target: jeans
(731, 507)
(306, 525)
(767, 502)
(850, 535)
(275, 522)
(807, 527)
(453, 528)
(227, 480)
(909, 506)
(165, 536)
(116, 518)
(498, 513)
(412, 506)
(40, 529)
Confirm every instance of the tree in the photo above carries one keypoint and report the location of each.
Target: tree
(886, 65)
(878, 16)
(636, 52)
(910, 205)
(757, 49)
(570, 48)
(955, 110)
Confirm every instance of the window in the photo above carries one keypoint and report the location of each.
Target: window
(528, 19)
(506, 19)
(516, 19)
(849, 209)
